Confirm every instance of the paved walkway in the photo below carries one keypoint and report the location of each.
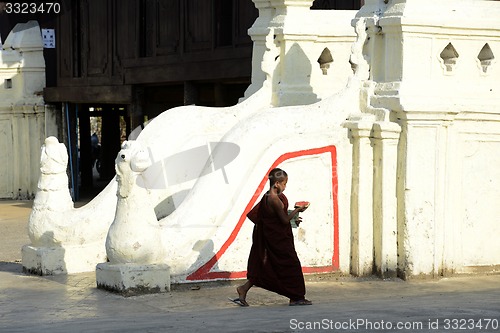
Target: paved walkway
(341, 304)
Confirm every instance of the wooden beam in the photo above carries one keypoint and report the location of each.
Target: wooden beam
(89, 94)
(209, 70)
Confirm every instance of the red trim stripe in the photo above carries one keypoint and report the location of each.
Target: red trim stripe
(204, 273)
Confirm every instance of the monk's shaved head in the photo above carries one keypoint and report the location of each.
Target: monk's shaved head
(276, 175)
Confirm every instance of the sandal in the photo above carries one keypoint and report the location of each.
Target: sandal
(300, 302)
(240, 302)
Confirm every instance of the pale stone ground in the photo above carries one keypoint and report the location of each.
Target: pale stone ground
(341, 304)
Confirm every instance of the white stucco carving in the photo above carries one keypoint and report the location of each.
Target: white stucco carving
(64, 238)
(289, 41)
(54, 221)
(22, 111)
(444, 103)
(53, 200)
(134, 235)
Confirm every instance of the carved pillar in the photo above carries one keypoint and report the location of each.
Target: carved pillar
(259, 32)
(425, 215)
(294, 36)
(385, 154)
(361, 198)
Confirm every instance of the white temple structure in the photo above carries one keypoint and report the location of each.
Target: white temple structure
(25, 120)
(387, 120)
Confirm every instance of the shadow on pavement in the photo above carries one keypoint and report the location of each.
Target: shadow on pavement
(13, 267)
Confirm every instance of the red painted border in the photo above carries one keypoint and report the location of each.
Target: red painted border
(203, 273)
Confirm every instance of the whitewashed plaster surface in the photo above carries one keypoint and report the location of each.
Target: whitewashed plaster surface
(22, 111)
(441, 86)
(300, 55)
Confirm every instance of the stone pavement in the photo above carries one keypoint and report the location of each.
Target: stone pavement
(341, 304)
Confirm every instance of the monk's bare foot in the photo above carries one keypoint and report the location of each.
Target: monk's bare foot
(242, 293)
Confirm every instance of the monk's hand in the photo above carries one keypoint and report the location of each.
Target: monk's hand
(298, 221)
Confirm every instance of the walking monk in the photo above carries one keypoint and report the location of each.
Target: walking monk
(273, 263)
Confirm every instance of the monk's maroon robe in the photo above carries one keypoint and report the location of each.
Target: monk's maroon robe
(273, 263)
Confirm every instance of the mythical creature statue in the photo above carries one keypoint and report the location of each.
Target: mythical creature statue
(134, 235)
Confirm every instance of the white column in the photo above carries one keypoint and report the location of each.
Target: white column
(259, 32)
(422, 177)
(385, 154)
(361, 199)
(294, 35)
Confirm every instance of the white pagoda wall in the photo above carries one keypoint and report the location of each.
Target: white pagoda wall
(25, 120)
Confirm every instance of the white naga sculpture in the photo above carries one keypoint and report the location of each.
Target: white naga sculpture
(134, 235)
(136, 253)
(53, 200)
(56, 226)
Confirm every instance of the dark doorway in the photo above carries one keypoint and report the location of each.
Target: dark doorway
(94, 139)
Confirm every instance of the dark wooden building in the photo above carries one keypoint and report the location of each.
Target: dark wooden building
(118, 50)
(126, 61)
(133, 59)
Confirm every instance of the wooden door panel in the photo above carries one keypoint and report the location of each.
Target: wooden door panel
(168, 26)
(98, 37)
(198, 34)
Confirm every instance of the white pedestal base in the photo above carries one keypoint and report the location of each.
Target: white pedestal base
(133, 279)
(43, 260)
(61, 260)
